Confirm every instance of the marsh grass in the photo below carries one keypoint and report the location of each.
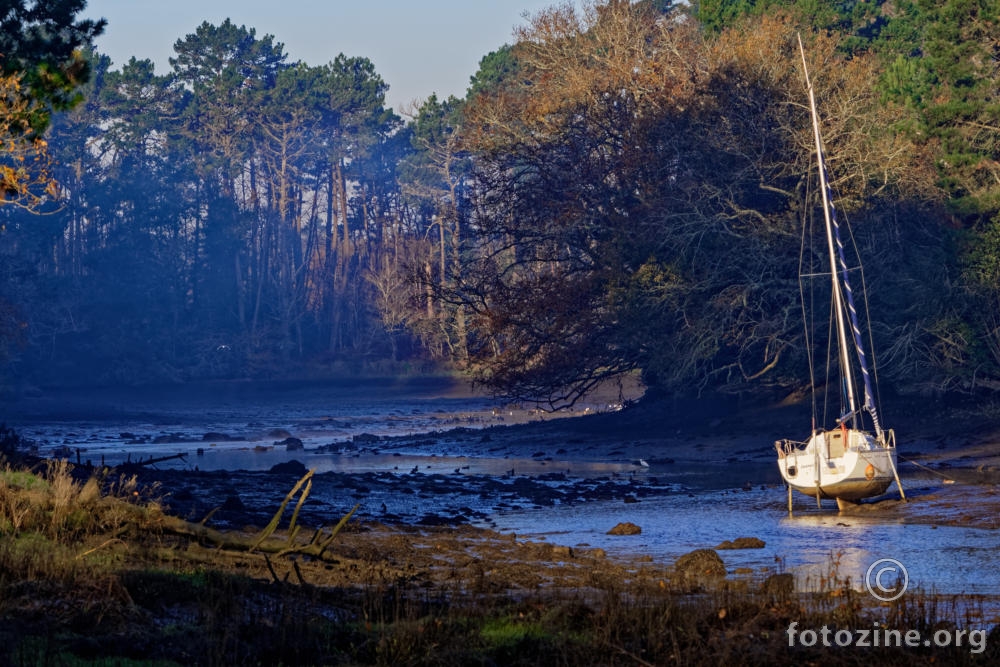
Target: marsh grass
(91, 574)
(52, 501)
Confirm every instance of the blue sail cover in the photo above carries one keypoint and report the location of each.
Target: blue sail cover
(852, 311)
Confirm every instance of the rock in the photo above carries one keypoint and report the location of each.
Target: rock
(234, 504)
(168, 438)
(742, 543)
(625, 528)
(212, 436)
(290, 443)
(700, 564)
(292, 467)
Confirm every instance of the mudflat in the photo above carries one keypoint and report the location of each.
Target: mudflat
(257, 566)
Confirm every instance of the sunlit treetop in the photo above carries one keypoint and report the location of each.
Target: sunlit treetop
(42, 41)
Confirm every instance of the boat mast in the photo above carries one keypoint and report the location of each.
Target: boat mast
(833, 229)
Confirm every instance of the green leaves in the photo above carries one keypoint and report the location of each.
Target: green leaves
(42, 41)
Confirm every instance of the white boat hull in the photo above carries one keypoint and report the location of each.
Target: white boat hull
(843, 464)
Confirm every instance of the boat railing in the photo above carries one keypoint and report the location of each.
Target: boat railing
(789, 447)
(890, 438)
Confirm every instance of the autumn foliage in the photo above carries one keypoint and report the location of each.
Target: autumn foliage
(642, 192)
(25, 177)
(626, 187)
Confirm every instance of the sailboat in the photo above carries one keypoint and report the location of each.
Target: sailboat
(851, 461)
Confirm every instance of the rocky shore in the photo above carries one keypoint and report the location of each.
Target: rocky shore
(952, 457)
(410, 579)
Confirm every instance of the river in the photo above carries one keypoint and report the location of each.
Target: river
(342, 426)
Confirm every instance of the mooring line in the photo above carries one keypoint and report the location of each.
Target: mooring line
(948, 480)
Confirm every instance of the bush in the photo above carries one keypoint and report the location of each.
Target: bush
(10, 442)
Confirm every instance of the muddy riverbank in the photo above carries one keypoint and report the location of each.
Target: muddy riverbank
(421, 455)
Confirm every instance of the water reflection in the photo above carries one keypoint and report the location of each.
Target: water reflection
(815, 545)
(704, 506)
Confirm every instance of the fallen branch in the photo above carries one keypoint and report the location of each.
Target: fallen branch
(98, 547)
(273, 525)
(132, 466)
(262, 541)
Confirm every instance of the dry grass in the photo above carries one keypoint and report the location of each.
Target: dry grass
(54, 503)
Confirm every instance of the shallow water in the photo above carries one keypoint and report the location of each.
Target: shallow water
(695, 508)
(103, 421)
(814, 545)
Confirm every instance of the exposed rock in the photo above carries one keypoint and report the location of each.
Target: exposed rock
(212, 436)
(292, 467)
(233, 504)
(290, 443)
(742, 543)
(700, 564)
(560, 551)
(169, 438)
(625, 528)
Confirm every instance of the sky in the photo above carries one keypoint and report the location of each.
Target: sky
(418, 47)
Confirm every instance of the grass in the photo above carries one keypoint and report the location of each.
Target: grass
(94, 572)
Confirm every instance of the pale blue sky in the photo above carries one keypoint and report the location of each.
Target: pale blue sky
(418, 47)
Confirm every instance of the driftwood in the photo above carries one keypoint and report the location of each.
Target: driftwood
(130, 465)
(264, 541)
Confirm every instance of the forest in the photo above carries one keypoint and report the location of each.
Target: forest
(623, 189)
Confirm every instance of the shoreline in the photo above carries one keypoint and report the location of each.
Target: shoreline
(182, 584)
(953, 450)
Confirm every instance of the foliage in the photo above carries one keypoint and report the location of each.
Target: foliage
(41, 70)
(496, 69)
(624, 187)
(220, 215)
(25, 180)
(41, 44)
(640, 206)
(982, 277)
(957, 44)
(11, 443)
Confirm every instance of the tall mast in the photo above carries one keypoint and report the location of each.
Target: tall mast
(832, 231)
